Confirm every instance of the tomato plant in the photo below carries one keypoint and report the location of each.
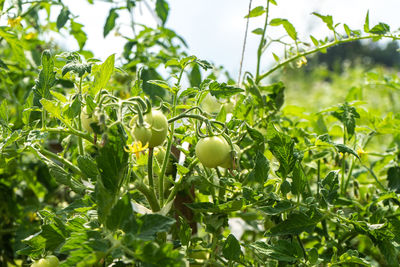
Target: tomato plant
(293, 164)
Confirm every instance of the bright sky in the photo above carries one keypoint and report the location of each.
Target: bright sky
(214, 29)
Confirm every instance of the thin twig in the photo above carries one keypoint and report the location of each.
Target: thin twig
(244, 44)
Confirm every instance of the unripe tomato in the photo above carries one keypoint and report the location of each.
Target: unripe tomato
(212, 151)
(228, 163)
(86, 120)
(53, 260)
(155, 131)
(49, 261)
(142, 133)
(210, 104)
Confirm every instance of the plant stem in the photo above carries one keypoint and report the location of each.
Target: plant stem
(244, 45)
(64, 161)
(149, 194)
(150, 168)
(322, 47)
(318, 178)
(70, 131)
(80, 141)
(260, 46)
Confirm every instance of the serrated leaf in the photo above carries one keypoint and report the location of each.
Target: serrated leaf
(88, 166)
(223, 90)
(327, 19)
(153, 224)
(47, 76)
(282, 147)
(77, 67)
(345, 149)
(229, 206)
(291, 31)
(255, 12)
(277, 208)
(330, 186)
(295, 224)
(103, 75)
(120, 214)
(281, 251)
(110, 22)
(62, 17)
(381, 28)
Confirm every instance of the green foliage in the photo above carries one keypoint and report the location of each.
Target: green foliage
(314, 172)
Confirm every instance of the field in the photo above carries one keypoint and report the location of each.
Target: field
(155, 157)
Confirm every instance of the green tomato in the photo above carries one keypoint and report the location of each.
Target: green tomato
(212, 151)
(49, 261)
(210, 104)
(53, 260)
(154, 131)
(142, 133)
(87, 120)
(228, 163)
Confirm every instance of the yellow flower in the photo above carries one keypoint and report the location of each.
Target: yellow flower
(13, 22)
(30, 36)
(302, 61)
(136, 147)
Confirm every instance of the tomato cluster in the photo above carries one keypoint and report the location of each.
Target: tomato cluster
(154, 129)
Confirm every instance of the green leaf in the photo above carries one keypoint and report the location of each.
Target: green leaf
(110, 22)
(296, 223)
(120, 214)
(261, 169)
(102, 75)
(255, 12)
(52, 108)
(381, 28)
(3, 65)
(330, 186)
(162, 84)
(347, 115)
(223, 90)
(62, 17)
(291, 31)
(231, 248)
(298, 179)
(195, 76)
(47, 75)
(366, 23)
(162, 9)
(282, 147)
(393, 177)
(77, 67)
(327, 19)
(347, 30)
(345, 149)
(88, 166)
(229, 206)
(258, 31)
(4, 112)
(153, 224)
(1, 5)
(315, 41)
(78, 33)
(282, 251)
(277, 208)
